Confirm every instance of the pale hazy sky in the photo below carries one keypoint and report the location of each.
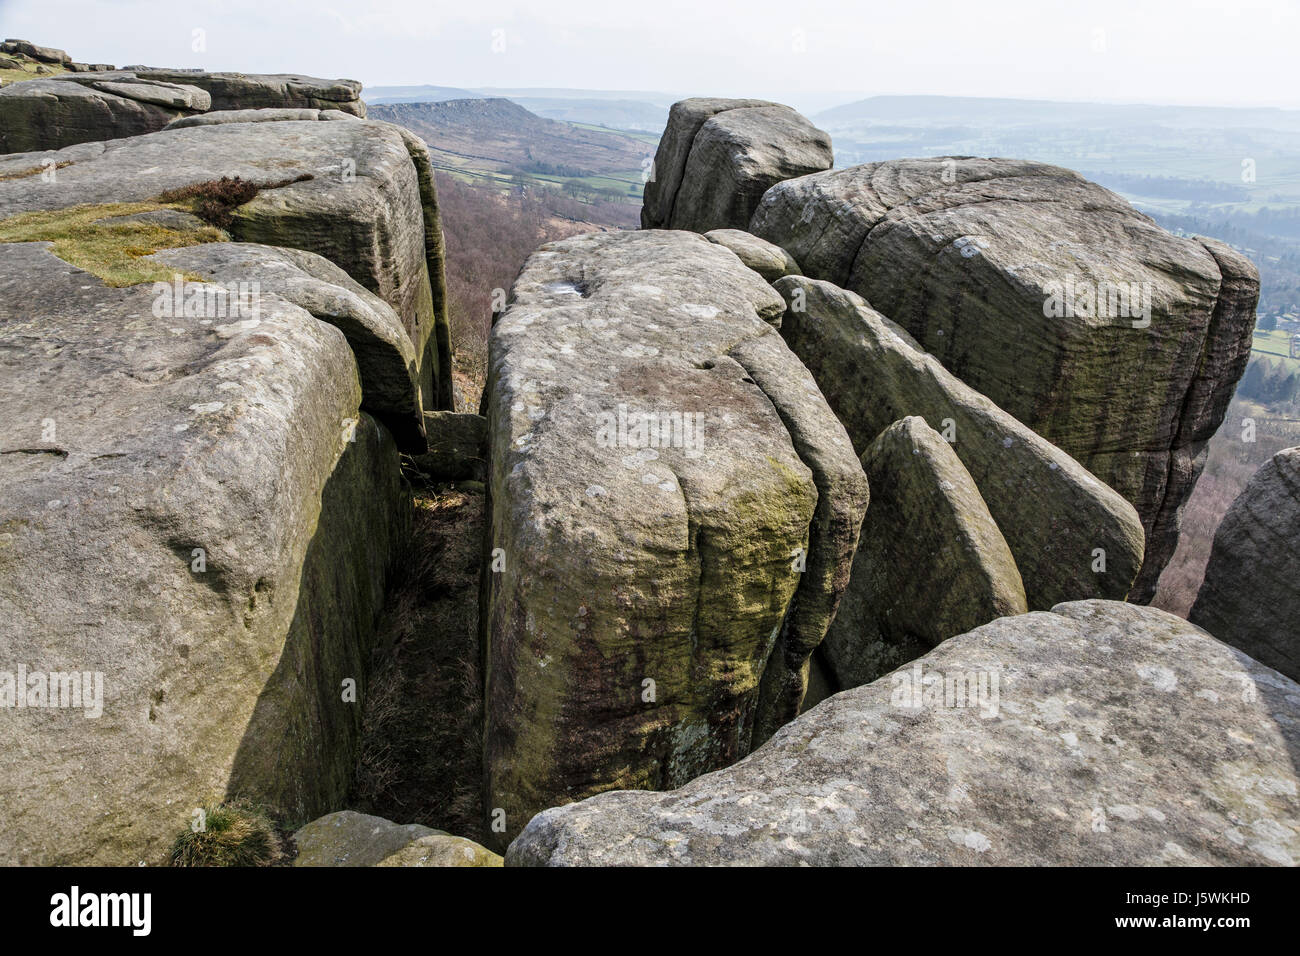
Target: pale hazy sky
(1225, 52)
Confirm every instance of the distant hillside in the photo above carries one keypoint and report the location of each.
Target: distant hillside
(639, 111)
(499, 138)
(417, 94)
(983, 111)
(615, 114)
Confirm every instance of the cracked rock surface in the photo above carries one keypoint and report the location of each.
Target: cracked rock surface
(199, 512)
(966, 254)
(1053, 513)
(931, 562)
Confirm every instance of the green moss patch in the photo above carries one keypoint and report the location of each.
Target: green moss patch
(112, 251)
(115, 251)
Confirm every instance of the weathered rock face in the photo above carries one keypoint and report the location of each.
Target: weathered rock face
(769, 261)
(390, 386)
(1250, 597)
(52, 113)
(347, 838)
(1113, 339)
(661, 465)
(931, 562)
(1052, 512)
(361, 194)
(457, 447)
(199, 513)
(717, 157)
(82, 107)
(1114, 734)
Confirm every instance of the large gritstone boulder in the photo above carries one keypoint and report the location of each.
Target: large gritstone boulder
(931, 561)
(673, 514)
(196, 525)
(1251, 593)
(360, 194)
(717, 157)
(1071, 535)
(1107, 335)
(83, 107)
(390, 386)
(1097, 734)
(44, 54)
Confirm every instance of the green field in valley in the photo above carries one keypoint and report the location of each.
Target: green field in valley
(1276, 345)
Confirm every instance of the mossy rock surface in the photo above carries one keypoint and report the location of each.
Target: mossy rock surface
(367, 210)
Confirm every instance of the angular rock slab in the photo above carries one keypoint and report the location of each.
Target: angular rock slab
(966, 254)
(770, 261)
(1251, 593)
(202, 515)
(1119, 735)
(267, 115)
(718, 156)
(348, 838)
(390, 383)
(931, 562)
(642, 579)
(1053, 513)
(369, 205)
(47, 113)
(83, 107)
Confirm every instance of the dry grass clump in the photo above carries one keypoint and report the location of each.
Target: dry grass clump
(216, 200)
(236, 834)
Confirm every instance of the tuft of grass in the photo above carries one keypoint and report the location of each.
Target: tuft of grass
(112, 251)
(234, 834)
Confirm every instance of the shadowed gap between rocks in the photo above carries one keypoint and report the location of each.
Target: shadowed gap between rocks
(298, 752)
